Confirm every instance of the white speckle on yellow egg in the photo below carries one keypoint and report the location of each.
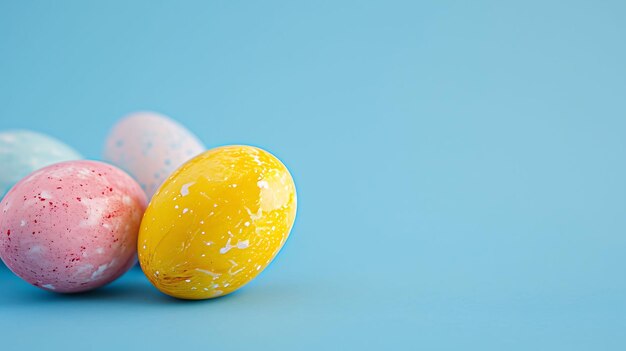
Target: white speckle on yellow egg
(235, 220)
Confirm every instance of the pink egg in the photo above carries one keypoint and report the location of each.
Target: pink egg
(71, 226)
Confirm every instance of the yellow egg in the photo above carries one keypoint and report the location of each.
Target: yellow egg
(217, 222)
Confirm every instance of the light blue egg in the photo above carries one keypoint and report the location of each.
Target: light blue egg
(24, 151)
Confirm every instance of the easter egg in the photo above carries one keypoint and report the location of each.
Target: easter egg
(150, 146)
(71, 226)
(217, 222)
(23, 151)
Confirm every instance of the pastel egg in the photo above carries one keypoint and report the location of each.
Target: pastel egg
(71, 226)
(217, 222)
(24, 151)
(150, 146)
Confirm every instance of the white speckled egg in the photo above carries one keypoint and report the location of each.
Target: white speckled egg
(24, 151)
(150, 146)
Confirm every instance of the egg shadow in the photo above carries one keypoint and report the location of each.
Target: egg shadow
(132, 289)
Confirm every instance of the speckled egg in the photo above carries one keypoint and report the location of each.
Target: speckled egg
(217, 222)
(71, 226)
(150, 146)
(23, 151)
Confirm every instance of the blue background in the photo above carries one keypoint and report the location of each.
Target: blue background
(460, 166)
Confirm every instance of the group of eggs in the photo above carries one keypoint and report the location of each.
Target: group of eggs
(215, 219)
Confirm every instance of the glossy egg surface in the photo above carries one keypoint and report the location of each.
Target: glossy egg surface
(217, 222)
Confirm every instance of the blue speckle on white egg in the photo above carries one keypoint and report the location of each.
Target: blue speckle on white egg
(24, 151)
(150, 146)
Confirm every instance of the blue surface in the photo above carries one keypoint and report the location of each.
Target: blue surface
(461, 166)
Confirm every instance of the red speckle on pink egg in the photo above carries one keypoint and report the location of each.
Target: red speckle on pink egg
(85, 238)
